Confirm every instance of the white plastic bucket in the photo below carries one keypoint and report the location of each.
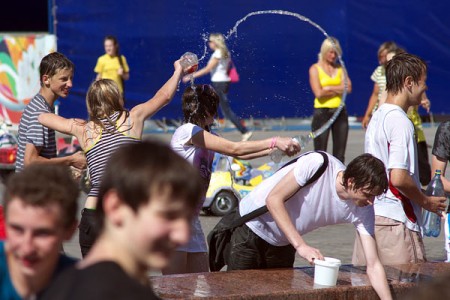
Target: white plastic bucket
(326, 271)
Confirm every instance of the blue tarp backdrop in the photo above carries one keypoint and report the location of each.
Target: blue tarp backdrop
(272, 52)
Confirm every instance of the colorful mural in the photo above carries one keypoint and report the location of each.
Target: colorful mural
(20, 55)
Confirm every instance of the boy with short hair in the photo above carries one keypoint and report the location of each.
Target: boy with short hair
(147, 199)
(40, 210)
(37, 143)
(339, 195)
(390, 137)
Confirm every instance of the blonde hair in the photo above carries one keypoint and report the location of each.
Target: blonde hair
(390, 46)
(102, 100)
(330, 43)
(219, 40)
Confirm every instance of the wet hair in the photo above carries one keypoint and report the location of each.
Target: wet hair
(139, 171)
(198, 101)
(401, 66)
(367, 172)
(102, 100)
(41, 185)
(327, 45)
(52, 63)
(219, 40)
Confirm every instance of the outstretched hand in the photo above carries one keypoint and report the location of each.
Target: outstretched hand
(288, 145)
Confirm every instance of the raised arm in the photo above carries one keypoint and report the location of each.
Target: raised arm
(276, 199)
(162, 97)
(245, 150)
(375, 270)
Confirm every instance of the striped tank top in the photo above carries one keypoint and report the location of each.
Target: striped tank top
(109, 140)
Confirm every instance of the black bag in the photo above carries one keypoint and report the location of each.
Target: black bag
(219, 238)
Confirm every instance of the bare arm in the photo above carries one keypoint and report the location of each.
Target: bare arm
(439, 164)
(244, 150)
(425, 103)
(375, 270)
(318, 90)
(162, 97)
(67, 126)
(32, 155)
(276, 199)
(372, 102)
(401, 180)
(98, 77)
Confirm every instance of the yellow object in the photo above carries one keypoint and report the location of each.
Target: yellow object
(108, 66)
(414, 116)
(326, 80)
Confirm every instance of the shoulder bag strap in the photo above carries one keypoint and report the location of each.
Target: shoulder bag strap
(262, 210)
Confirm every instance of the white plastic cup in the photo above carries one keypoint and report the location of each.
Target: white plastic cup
(326, 271)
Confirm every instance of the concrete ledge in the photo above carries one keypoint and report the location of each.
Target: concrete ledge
(297, 283)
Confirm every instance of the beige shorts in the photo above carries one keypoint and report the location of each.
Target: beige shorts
(396, 244)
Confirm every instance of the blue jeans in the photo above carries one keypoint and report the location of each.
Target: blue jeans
(249, 251)
(222, 91)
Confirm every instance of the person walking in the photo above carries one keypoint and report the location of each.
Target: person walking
(218, 65)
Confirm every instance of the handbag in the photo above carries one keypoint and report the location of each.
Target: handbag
(233, 73)
(219, 238)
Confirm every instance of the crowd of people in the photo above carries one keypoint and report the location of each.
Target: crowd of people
(142, 212)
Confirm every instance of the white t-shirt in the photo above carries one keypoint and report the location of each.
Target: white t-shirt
(313, 206)
(220, 72)
(201, 159)
(390, 137)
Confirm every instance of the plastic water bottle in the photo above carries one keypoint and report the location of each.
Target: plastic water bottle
(277, 155)
(189, 62)
(431, 221)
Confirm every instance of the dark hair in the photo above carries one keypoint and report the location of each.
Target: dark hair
(52, 63)
(367, 172)
(115, 43)
(198, 101)
(401, 66)
(138, 171)
(41, 185)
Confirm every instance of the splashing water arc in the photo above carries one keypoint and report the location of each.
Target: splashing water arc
(303, 140)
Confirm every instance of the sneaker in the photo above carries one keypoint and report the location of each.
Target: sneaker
(246, 136)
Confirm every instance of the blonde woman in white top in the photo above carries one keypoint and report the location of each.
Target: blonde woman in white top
(218, 66)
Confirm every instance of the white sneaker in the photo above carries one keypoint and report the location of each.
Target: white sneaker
(246, 136)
